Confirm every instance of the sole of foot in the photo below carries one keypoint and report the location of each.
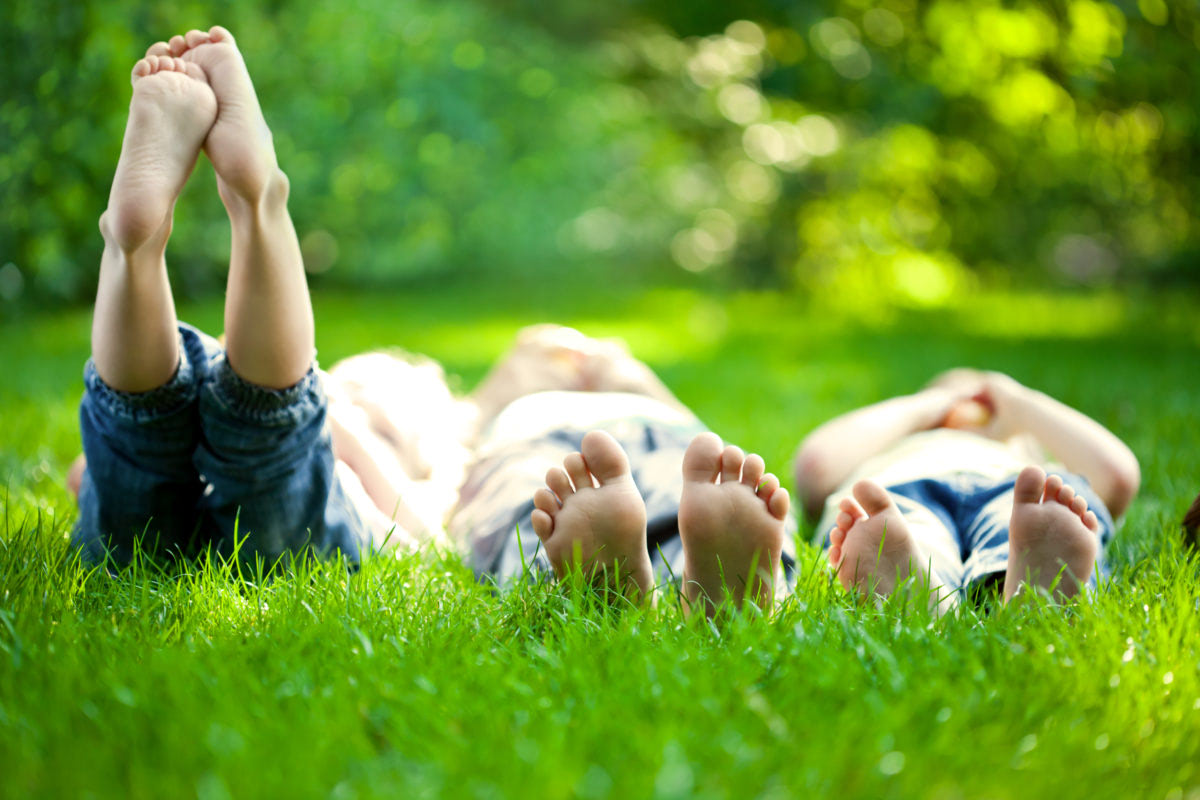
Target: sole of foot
(239, 145)
(591, 519)
(731, 517)
(1053, 537)
(871, 547)
(172, 112)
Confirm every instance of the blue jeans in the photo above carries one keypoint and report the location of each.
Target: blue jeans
(210, 461)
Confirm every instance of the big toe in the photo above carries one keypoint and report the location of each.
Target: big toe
(872, 497)
(702, 461)
(604, 456)
(1030, 485)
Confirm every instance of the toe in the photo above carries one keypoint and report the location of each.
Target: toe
(850, 507)
(604, 457)
(779, 504)
(767, 487)
(731, 464)
(159, 49)
(1054, 484)
(577, 469)
(752, 470)
(837, 536)
(219, 34)
(1079, 505)
(543, 525)
(142, 68)
(835, 555)
(1030, 484)
(1066, 496)
(177, 44)
(702, 461)
(195, 38)
(844, 521)
(545, 500)
(872, 497)
(559, 483)
(1090, 521)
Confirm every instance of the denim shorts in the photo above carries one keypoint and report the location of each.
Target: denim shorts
(209, 461)
(960, 521)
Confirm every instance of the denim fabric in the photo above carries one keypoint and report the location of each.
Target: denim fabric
(493, 516)
(962, 520)
(209, 460)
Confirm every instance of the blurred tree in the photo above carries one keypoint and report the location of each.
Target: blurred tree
(842, 146)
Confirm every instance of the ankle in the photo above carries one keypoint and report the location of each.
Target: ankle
(248, 199)
(133, 235)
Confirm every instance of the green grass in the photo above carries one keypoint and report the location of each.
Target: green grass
(409, 679)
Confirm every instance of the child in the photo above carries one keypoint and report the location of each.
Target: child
(189, 444)
(950, 488)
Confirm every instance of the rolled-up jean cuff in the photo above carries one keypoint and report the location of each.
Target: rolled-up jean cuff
(262, 406)
(161, 401)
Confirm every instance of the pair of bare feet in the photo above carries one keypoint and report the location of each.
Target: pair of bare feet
(592, 520)
(1052, 540)
(189, 93)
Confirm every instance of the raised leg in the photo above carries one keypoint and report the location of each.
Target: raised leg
(134, 330)
(268, 312)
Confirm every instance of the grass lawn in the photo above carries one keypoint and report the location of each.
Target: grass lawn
(408, 679)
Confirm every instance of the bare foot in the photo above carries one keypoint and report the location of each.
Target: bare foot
(239, 145)
(1051, 533)
(172, 110)
(731, 522)
(871, 547)
(599, 530)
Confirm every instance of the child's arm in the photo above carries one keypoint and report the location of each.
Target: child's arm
(1082, 445)
(830, 453)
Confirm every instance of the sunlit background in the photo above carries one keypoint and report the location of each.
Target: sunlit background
(888, 153)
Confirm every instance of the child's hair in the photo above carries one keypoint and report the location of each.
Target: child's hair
(1191, 525)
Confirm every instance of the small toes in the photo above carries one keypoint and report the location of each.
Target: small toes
(835, 555)
(1079, 504)
(195, 38)
(1053, 485)
(767, 487)
(1066, 495)
(142, 68)
(219, 34)
(577, 469)
(546, 501)
(844, 521)
(543, 525)
(837, 536)
(732, 459)
(752, 470)
(177, 45)
(779, 504)
(702, 461)
(159, 49)
(1090, 522)
(559, 483)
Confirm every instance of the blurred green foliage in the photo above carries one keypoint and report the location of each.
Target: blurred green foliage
(841, 146)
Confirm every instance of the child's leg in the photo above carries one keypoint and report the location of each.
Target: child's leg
(266, 449)
(138, 417)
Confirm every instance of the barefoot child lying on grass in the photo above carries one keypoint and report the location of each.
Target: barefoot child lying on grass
(191, 444)
(949, 487)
